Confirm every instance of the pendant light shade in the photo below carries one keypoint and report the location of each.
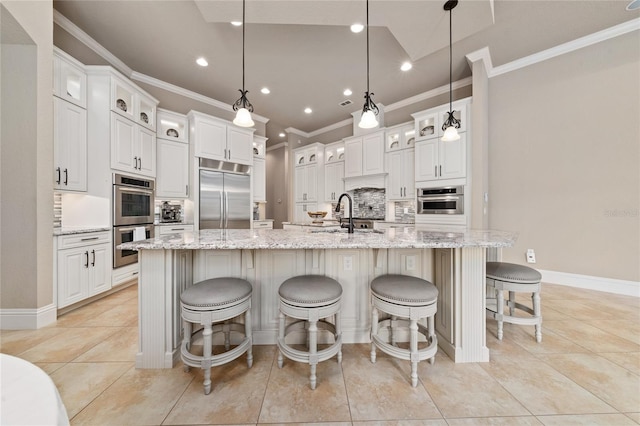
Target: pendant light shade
(451, 124)
(242, 105)
(368, 120)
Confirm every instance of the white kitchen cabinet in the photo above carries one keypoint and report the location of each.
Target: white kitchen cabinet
(130, 102)
(364, 155)
(172, 177)
(301, 209)
(308, 180)
(333, 181)
(400, 137)
(70, 146)
(84, 266)
(258, 180)
(436, 160)
(259, 146)
(220, 140)
(428, 123)
(401, 178)
(69, 79)
(133, 148)
(172, 126)
(263, 224)
(306, 183)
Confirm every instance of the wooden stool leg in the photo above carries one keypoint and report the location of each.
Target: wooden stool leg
(313, 350)
(206, 357)
(500, 314)
(512, 302)
(432, 334)
(227, 335)
(374, 332)
(247, 333)
(394, 327)
(413, 347)
(537, 311)
(280, 336)
(186, 340)
(338, 322)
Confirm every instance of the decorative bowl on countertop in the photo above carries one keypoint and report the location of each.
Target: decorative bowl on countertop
(317, 216)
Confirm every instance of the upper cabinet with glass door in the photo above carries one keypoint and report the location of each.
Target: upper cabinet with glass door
(428, 124)
(69, 79)
(307, 156)
(172, 126)
(334, 152)
(129, 101)
(259, 146)
(400, 137)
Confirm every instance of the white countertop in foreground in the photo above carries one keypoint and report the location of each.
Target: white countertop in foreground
(281, 239)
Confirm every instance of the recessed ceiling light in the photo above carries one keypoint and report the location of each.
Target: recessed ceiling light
(265, 90)
(281, 135)
(236, 23)
(202, 62)
(347, 92)
(406, 66)
(308, 110)
(356, 28)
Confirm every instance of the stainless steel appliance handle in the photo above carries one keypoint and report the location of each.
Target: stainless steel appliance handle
(226, 209)
(441, 198)
(129, 189)
(222, 209)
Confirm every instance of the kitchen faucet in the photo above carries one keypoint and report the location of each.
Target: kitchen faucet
(350, 225)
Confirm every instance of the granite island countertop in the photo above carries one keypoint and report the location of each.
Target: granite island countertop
(395, 238)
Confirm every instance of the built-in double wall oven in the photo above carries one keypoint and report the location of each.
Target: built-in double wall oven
(442, 200)
(133, 211)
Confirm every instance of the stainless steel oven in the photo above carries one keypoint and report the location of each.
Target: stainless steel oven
(133, 200)
(442, 200)
(133, 207)
(125, 234)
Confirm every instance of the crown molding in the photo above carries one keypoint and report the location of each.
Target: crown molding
(483, 55)
(338, 125)
(297, 132)
(143, 78)
(278, 146)
(562, 49)
(428, 94)
(88, 41)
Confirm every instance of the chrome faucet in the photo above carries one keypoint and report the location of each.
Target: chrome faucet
(350, 225)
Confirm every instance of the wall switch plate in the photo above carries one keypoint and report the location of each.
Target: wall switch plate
(531, 256)
(347, 263)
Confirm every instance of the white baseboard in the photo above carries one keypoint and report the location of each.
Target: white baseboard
(609, 285)
(27, 319)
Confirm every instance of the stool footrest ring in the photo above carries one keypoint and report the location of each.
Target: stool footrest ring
(303, 356)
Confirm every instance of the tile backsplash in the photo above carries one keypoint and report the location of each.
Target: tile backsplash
(57, 210)
(401, 206)
(367, 202)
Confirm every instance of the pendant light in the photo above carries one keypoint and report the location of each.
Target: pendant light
(368, 119)
(451, 124)
(242, 105)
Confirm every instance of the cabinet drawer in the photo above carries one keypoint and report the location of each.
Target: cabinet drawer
(264, 225)
(79, 240)
(172, 229)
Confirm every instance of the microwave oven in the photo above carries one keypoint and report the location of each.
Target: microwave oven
(442, 200)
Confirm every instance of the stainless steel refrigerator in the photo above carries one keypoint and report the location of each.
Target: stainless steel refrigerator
(224, 200)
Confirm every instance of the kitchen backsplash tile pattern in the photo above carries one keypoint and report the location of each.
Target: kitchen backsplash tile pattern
(401, 215)
(369, 202)
(57, 210)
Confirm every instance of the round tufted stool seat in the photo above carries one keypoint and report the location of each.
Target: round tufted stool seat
(411, 299)
(309, 300)
(501, 277)
(213, 304)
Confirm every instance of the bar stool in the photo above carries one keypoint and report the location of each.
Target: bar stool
(502, 276)
(310, 299)
(411, 299)
(212, 304)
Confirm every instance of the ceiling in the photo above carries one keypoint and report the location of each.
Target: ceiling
(305, 53)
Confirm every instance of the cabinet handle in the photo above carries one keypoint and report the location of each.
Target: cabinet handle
(186, 190)
(135, 160)
(93, 261)
(435, 171)
(229, 153)
(225, 153)
(440, 171)
(89, 238)
(140, 160)
(86, 263)
(66, 176)
(59, 176)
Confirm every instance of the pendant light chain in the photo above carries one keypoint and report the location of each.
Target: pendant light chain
(243, 27)
(451, 123)
(242, 105)
(370, 109)
(450, 61)
(367, 46)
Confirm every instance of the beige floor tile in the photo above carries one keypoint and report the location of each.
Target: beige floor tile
(80, 316)
(236, 392)
(495, 421)
(542, 389)
(138, 397)
(598, 340)
(68, 345)
(50, 367)
(290, 399)
(551, 342)
(580, 309)
(81, 383)
(121, 315)
(507, 347)
(621, 327)
(615, 385)
(14, 342)
(634, 416)
(630, 360)
(382, 391)
(449, 388)
(311, 424)
(436, 422)
(587, 419)
(120, 346)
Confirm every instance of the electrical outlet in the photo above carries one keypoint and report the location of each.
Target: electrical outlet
(411, 263)
(406, 210)
(347, 263)
(531, 256)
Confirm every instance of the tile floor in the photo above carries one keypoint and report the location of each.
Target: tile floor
(586, 371)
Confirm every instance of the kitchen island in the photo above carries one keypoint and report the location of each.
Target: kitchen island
(453, 259)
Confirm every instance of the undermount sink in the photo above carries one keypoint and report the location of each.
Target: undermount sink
(345, 230)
